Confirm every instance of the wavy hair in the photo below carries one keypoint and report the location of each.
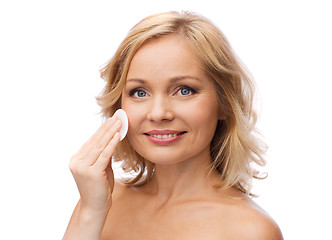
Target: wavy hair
(235, 148)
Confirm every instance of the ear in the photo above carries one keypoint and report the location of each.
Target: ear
(221, 115)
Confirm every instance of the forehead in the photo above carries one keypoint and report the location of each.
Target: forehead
(165, 57)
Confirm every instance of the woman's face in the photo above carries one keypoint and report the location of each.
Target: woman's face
(171, 104)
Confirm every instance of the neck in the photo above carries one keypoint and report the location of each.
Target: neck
(185, 180)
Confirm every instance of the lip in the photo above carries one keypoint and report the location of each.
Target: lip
(151, 135)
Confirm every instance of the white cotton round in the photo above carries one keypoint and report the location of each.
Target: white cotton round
(121, 114)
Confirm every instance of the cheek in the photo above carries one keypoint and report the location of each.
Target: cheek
(202, 116)
(135, 115)
(202, 110)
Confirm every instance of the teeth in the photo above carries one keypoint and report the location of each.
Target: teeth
(164, 136)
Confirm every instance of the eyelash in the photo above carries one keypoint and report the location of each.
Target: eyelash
(192, 91)
(136, 90)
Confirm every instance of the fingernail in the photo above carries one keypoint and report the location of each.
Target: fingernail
(117, 134)
(122, 116)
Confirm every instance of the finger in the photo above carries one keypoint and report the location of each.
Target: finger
(109, 134)
(94, 147)
(105, 136)
(100, 132)
(110, 177)
(105, 127)
(106, 156)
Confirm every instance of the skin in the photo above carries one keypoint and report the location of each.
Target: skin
(166, 89)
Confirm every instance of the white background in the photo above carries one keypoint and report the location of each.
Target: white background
(50, 54)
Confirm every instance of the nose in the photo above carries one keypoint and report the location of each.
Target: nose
(160, 109)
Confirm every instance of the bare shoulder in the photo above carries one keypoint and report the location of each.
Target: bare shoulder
(247, 220)
(258, 224)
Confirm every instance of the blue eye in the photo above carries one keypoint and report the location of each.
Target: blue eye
(138, 93)
(141, 93)
(185, 91)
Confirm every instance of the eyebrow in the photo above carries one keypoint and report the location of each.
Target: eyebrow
(136, 80)
(172, 80)
(176, 79)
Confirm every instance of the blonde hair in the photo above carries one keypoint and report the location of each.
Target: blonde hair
(235, 146)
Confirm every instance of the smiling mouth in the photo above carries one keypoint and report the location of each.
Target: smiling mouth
(165, 136)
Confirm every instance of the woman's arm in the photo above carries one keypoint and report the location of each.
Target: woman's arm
(84, 225)
(91, 169)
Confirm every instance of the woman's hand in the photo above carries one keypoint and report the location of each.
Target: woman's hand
(92, 170)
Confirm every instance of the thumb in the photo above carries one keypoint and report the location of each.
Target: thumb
(110, 176)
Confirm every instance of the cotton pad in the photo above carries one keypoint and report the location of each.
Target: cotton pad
(121, 114)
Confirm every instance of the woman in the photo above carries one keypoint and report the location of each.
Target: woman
(190, 143)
